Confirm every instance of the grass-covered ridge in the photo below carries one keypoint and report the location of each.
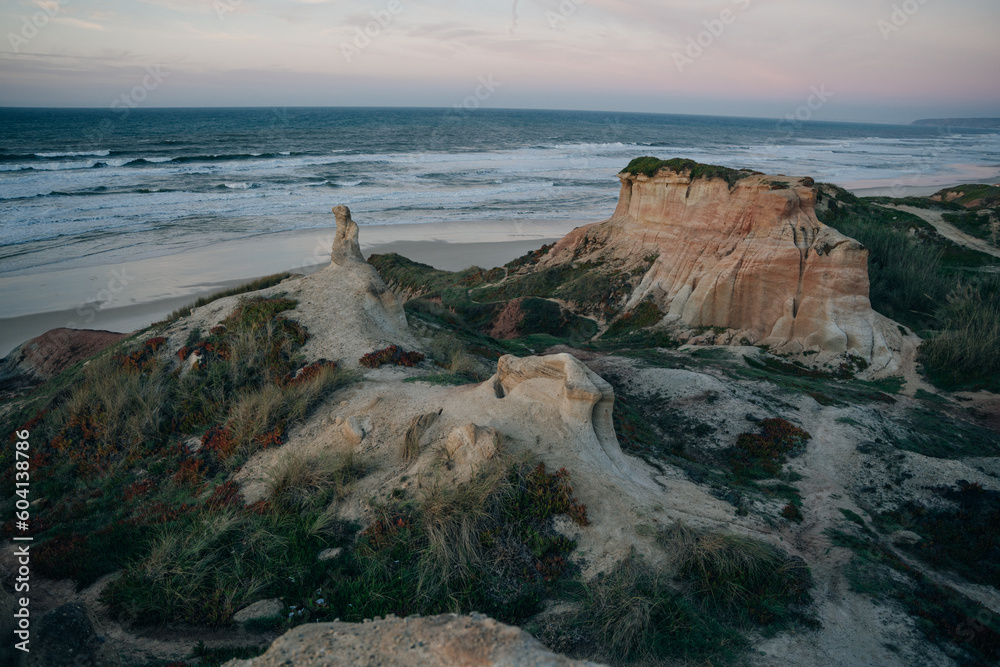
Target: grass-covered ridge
(975, 196)
(251, 286)
(944, 292)
(143, 440)
(650, 166)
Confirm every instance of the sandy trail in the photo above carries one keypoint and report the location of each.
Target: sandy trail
(948, 230)
(880, 635)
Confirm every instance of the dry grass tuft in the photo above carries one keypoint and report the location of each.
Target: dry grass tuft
(295, 481)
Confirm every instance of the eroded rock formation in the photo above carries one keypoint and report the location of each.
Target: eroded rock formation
(346, 306)
(433, 641)
(750, 257)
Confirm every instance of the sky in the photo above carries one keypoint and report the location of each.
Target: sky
(890, 61)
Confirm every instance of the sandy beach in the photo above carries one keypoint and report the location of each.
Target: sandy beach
(130, 295)
(127, 296)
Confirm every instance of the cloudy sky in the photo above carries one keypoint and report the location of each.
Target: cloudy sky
(875, 60)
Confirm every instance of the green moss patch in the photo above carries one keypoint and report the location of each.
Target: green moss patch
(650, 166)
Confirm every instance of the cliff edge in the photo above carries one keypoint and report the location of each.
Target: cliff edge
(745, 252)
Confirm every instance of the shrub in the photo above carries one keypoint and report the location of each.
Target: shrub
(635, 615)
(295, 481)
(206, 570)
(742, 576)
(645, 314)
(486, 545)
(761, 455)
(967, 351)
(391, 355)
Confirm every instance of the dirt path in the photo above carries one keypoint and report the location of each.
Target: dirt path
(879, 635)
(948, 230)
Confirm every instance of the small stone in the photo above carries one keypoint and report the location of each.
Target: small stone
(353, 430)
(905, 538)
(259, 610)
(331, 554)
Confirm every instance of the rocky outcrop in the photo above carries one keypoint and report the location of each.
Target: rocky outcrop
(746, 254)
(433, 641)
(45, 356)
(347, 308)
(584, 400)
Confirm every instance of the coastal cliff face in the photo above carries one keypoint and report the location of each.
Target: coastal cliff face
(750, 257)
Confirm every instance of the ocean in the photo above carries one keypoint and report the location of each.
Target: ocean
(82, 187)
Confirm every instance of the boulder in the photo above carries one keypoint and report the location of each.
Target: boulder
(68, 636)
(469, 446)
(260, 610)
(434, 641)
(354, 430)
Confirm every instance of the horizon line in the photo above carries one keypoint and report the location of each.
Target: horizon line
(488, 109)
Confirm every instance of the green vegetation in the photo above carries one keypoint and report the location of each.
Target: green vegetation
(982, 195)
(981, 224)
(749, 579)
(107, 455)
(967, 351)
(252, 286)
(424, 280)
(487, 545)
(475, 301)
(969, 631)
(933, 432)
(644, 315)
(633, 614)
(650, 166)
(931, 285)
(906, 274)
(963, 537)
(696, 609)
(834, 388)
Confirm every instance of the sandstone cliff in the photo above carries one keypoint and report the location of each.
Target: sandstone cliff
(744, 252)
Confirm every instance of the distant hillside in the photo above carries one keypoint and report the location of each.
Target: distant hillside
(984, 123)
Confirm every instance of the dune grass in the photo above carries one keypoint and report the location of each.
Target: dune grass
(107, 447)
(966, 352)
(252, 286)
(696, 608)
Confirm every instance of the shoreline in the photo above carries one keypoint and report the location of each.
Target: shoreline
(131, 295)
